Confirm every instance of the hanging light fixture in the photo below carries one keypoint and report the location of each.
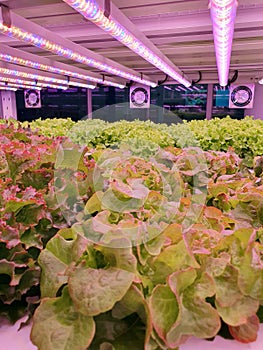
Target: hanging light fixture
(33, 84)
(19, 86)
(7, 28)
(48, 68)
(91, 10)
(43, 78)
(223, 13)
(7, 88)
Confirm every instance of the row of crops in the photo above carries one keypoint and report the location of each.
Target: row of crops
(132, 235)
(244, 136)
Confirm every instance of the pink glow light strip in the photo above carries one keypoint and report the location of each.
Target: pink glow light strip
(48, 68)
(223, 13)
(20, 86)
(32, 83)
(38, 41)
(32, 76)
(7, 88)
(91, 10)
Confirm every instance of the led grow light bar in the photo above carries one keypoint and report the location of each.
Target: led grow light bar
(19, 86)
(37, 77)
(45, 67)
(223, 13)
(91, 10)
(33, 84)
(49, 45)
(43, 78)
(8, 88)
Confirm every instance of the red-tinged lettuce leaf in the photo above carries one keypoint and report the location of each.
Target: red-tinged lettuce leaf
(238, 313)
(217, 188)
(56, 258)
(164, 310)
(250, 277)
(154, 246)
(29, 278)
(7, 268)
(197, 317)
(227, 290)
(9, 234)
(249, 208)
(119, 254)
(107, 226)
(58, 326)
(70, 156)
(38, 178)
(172, 258)
(96, 291)
(216, 266)
(173, 233)
(201, 240)
(247, 332)
(120, 202)
(67, 193)
(233, 306)
(93, 204)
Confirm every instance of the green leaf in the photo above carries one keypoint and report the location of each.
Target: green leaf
(96, 291)
(250, 278)
(119, 254)
(113, 202)
(56, 258)
(238, 312)
(172, 258)
(227, 290)
(196, 316)
(94, 203)
(164, 309)
(58, 326)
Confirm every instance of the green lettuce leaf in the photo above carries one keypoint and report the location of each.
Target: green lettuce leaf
(96, 291)
(58, 326)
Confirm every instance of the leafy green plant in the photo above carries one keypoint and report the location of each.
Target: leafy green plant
(26, 221)
(51, 127)
(84, 131)
(152, 259)
(244, 136)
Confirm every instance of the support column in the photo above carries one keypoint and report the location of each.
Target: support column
(89, 103)
(209, 101)
(8, 105)
(159, 103)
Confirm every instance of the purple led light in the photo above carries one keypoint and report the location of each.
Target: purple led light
(223, 15)
(115, 29)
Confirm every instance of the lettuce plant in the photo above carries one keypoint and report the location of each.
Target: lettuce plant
(26, 221)
(153, 259)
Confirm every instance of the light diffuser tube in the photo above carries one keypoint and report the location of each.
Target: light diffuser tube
(91, 10)
(38, 41)
(32, 76)
(51, 69)
(32, 83)
(223, 13)
(7, 88)
(20, 86)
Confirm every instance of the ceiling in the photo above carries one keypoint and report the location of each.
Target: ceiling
(181, 30)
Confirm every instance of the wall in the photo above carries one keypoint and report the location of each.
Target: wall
(257, 110)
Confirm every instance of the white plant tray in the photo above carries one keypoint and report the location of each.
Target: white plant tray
(12, 339)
